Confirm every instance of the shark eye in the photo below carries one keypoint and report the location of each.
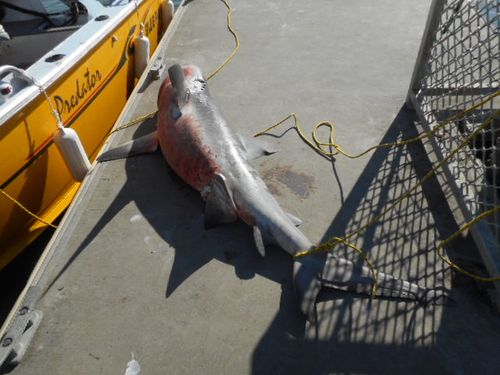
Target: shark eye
(175, 112)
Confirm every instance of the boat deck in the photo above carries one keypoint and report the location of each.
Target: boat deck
(134, 271)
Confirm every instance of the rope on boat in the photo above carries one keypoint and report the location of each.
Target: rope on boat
(21, 206)
(59, 126)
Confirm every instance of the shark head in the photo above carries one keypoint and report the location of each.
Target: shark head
(185, 82)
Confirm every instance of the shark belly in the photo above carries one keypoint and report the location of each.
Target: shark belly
(184, 148)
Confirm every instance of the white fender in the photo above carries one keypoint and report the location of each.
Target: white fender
(167, 13)
(72, 151)
(142, 48)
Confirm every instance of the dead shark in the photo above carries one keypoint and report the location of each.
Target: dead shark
(206, 153)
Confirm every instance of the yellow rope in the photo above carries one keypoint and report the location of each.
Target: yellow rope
(134, 122)
(20, 205)
(329, 244)
(318, 145)
(214, 73)
(236, 40)
(440, 248)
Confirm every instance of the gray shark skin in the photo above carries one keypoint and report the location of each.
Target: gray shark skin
(203, 150)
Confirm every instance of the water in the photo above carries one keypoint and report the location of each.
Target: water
(13, 278)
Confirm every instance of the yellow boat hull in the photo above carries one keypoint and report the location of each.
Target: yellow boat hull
(88, 98)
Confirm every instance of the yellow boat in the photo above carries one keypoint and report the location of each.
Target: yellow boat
(67, 61)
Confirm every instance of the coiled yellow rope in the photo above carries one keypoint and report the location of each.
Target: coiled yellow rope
(319, 146)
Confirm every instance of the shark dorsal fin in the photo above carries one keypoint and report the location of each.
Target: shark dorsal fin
(219, 206)
(295, 220)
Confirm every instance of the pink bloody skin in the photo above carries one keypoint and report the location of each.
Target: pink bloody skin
(181, 141)
(195, 150)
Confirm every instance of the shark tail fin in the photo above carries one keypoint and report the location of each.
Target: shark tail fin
(342, 274)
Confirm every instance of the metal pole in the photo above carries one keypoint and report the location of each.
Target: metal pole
(430, 30)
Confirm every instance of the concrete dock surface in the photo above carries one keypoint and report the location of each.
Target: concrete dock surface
(135, 272)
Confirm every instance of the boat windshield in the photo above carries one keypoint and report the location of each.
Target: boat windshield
(31, 28)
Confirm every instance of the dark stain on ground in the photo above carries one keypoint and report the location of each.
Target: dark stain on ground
(300, 184)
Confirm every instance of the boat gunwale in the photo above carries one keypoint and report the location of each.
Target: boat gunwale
(86, 40)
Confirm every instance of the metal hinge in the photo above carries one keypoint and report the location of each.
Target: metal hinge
(15, 342)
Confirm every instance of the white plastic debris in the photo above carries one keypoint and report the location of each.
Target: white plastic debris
(133, 367)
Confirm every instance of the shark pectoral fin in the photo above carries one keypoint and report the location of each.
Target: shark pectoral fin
(142, 145)
(219, 206)
(295, 220)
(307, 282)
(255, 148)
(259, 242)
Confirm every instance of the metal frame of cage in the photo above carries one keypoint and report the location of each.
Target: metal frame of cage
(457, 67)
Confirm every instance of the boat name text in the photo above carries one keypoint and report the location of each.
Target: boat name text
(151, 23)
(84, 86)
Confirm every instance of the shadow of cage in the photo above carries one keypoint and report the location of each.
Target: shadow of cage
(358, 335)
(398, 244)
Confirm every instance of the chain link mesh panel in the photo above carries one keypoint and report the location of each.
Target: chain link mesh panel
(457, 68)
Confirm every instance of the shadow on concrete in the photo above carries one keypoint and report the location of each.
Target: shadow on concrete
(175, 211)
(356, 335)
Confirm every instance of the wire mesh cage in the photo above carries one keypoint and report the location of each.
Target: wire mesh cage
(456, 86)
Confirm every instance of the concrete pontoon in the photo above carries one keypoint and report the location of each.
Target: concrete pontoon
(133, 271)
